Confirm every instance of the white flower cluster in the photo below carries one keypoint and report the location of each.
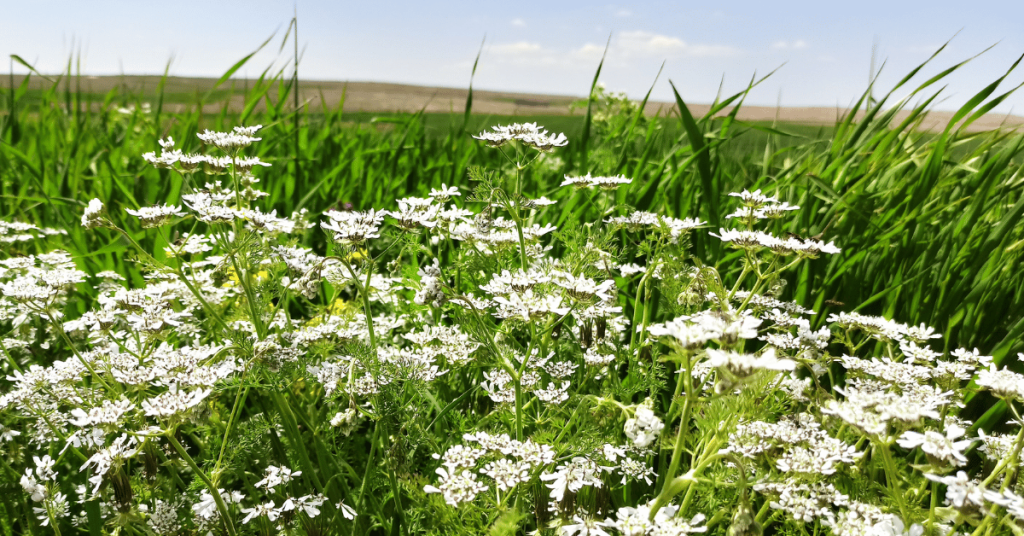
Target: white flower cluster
(152, 216)
(674, 228)
(458, 477)
(644, 427)
(1003, 383)
(528, 134)
(637, 521)
(758, 240)
(883, 329)
(500, 385)
(239, 137)
(757, 206)
(692, 332)
(805, 502)
(940, 447)
(604, 183)
(804, 446)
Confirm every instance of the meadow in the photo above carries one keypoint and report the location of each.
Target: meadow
(929, 228)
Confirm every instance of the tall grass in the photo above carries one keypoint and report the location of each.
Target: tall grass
(930, 223)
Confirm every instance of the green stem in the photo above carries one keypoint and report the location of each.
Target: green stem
(235, 410)
(637, 312)
(10, 358)
(60, 329)
(369, 464)
(890, 478)
(221, 507)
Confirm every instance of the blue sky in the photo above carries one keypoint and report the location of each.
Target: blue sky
(824, 48)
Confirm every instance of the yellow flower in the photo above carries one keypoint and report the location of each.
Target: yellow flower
(261, 276)
(356, 255)
(339, 307)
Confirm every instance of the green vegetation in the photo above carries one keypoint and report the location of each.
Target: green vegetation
(929, 224)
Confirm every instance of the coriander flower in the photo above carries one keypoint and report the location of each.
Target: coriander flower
(938, 447)
(91, 218)
(632, 521)
(506, 473)
(742, 365)
(573, 476)
(276, 476)
(155, 216)
(644, 427)
(961, 492)
(206, 508)
(347, 511)
(526, 133)
(587, 526)
(308, 504)
(1013, 503)
(604, 183)
(173, 402)
(238, 138)
(754, 199)
(352, 228)
(1003, 383)
(457, 487)
(445, 193)
(267, 509)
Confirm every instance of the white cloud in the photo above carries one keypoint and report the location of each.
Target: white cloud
(789, 45)
(643, 43)
(589, 51)
(524, 52)
(623, 13)
(625, 47)
(518, 22)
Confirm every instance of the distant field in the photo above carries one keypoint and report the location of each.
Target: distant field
(376, 97)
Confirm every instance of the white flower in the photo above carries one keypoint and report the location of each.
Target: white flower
(415, 212)
(1003, 383)
(573, 476)
(585, 527)
(1009, 500)
(460, 457)
(605, 183)
(754, 199)
(742, 365)
(445, 192)
(632, 521)
(267, 509)
(174, 402)
(457, 487)
(353, 228)
(239, 137)
(637, 470)
(554, 394)
(506, 473)
(938, 446)
(276, 476)
(960, 490)
(640, 220)
(347, 511)
(644, 427)
(206, 508)
(309, 504)
(91, 218)
(527, 133)
(155, 216)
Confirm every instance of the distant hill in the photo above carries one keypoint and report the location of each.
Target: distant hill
(181, 92)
